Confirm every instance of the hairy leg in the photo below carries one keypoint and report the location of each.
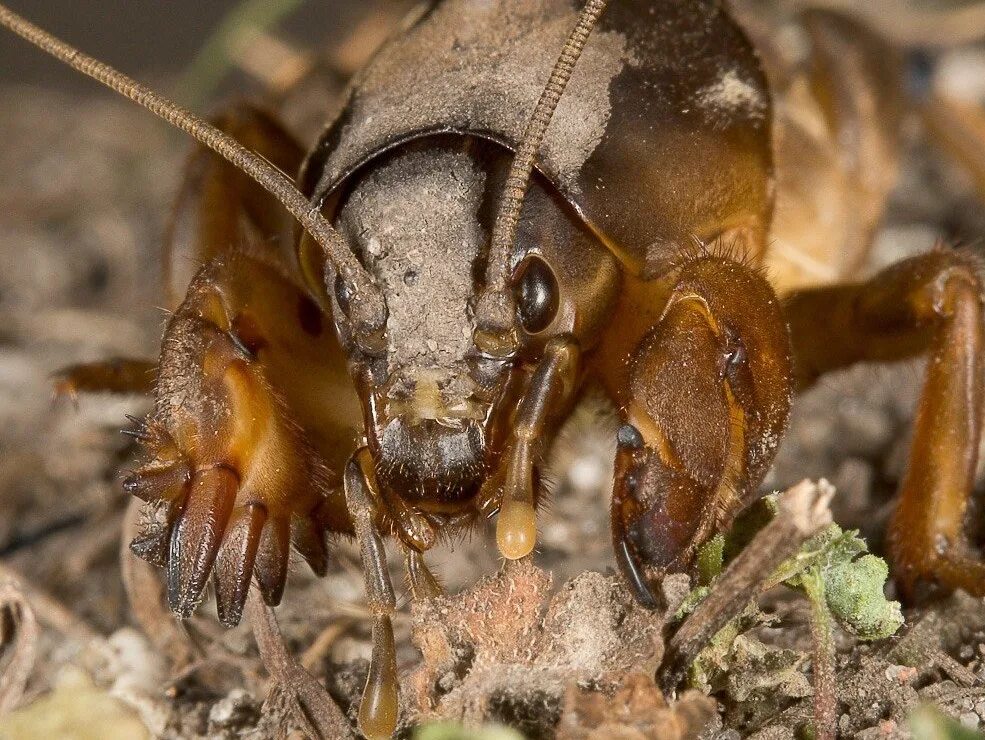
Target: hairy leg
(928, 305)
(705, 396)
(254, 408)
(115, 375)
(249, 423)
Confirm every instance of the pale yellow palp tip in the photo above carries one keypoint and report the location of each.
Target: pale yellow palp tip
(378, 711)
(380, 705)
(516, 530)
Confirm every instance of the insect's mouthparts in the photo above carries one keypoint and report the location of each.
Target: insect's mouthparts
(425, 402)
(421, 408)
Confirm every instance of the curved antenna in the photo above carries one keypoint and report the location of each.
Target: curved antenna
(367, 307)
(494, 312)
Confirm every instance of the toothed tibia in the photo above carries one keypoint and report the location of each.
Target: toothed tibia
(234, 473)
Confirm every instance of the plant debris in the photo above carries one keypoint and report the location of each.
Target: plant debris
(19, 641)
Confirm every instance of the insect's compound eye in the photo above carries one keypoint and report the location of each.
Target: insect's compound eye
(536, 294)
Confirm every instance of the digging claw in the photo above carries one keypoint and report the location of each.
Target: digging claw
(196, 537)
(215, 525)
(151, 545)
(271, 562)
(234, 565)
(309, 540)
(230, 466)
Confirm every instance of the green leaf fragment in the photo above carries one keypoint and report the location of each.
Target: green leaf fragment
(852, 585)
(695, 596)
(929, 723)
(833, 568)
(855, 596)
(455, 731)
(711, 559)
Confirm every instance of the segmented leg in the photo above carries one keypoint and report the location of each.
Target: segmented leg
(548, 393)
(115, 375)
(836, 132)
(423, 584)
(931, 304)
(379, 707)
(241, 440)
(705, 396)
(254, 406)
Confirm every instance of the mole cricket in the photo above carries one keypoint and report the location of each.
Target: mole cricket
(666, 210)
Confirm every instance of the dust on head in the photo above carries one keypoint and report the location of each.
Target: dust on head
(413, 220)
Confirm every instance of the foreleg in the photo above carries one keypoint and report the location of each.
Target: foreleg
(242, 443)
(219, 208)
(705, 396)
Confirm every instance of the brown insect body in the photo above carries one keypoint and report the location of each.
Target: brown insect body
(397, 103)
(683, 87)
(403, 377)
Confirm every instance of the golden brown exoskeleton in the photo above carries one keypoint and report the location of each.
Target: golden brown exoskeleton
(489, 229)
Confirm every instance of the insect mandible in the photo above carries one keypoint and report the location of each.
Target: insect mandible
(488, 229)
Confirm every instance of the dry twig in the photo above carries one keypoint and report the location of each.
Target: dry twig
(803, 511)
(822, 635)
(323, 643)
(52, 612)
(315, 707)
(18, 636)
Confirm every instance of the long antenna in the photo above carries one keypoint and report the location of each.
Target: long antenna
(494, 313)
(368, 307)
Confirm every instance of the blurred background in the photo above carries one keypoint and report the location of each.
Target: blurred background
(154, 38)
(160, 39)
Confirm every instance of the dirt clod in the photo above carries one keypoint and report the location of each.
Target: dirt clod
(507, 649)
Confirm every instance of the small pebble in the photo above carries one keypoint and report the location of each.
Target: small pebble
(237, 709)
(901, 673)
(970, 720)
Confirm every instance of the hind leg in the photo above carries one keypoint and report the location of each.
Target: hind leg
(932, 305)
